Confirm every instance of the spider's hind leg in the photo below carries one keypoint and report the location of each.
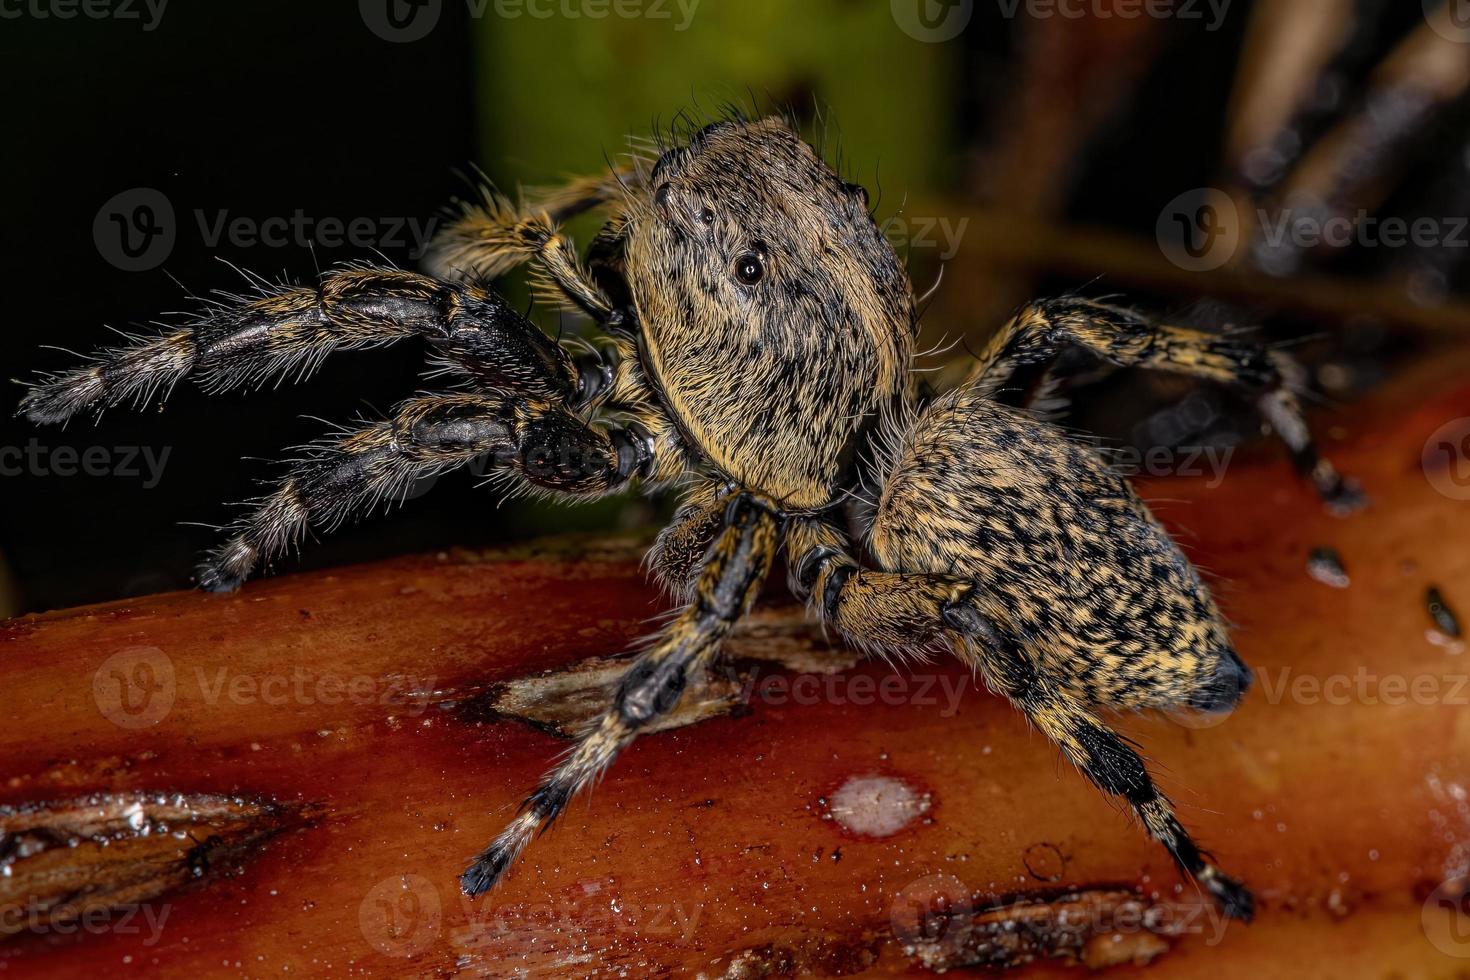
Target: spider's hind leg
(914, 611)
(1271, 377)
(729, 580)
(1106, 759)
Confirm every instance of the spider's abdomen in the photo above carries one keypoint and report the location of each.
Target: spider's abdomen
(1065, 556)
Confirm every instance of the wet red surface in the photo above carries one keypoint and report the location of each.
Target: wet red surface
(1337, 790)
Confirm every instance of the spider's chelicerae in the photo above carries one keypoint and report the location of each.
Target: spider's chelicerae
(760, 333)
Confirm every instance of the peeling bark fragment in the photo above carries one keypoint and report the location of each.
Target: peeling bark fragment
(1097, 927)
(816, 956)
(563, 701)
(60, 861)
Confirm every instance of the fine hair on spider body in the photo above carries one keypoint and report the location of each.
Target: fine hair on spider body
(758, 339)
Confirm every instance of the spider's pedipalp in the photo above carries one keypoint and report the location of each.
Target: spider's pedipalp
(729, 579)
(1123, 336)
(490, 237)
(683, 543)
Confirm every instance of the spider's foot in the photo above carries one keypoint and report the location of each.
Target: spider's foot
(214, 576)
(227, 567)
(491, 864)
(1234, 899)
(211, 581)
(59, 398)
(1343, 496)
(486, 871)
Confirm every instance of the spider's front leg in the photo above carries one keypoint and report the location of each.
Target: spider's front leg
(286, 328)
(1272, 377)
(729, 580)
(543, 445)
(529, 415)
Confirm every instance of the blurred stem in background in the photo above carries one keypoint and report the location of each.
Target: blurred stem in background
(560, 95)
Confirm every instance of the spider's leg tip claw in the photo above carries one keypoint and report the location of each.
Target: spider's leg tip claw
(483, 875)
(212, 579)
(1234, 899)
(1345, 498)
(40, 407)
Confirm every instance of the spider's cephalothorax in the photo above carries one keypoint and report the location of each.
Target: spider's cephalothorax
(759, 339)
(760, 279)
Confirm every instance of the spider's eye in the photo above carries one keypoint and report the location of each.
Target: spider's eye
(749, 269)
(661, 196)
(707, 216)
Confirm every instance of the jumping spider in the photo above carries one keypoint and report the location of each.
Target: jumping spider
(760, 333)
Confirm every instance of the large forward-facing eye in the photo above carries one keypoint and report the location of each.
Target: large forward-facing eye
(750, 268)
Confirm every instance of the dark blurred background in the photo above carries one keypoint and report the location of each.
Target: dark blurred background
(153, 152)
